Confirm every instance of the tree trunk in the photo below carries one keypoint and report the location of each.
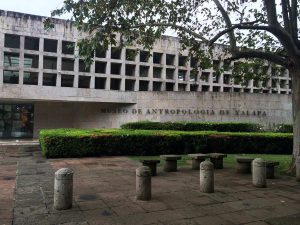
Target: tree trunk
(295, 74)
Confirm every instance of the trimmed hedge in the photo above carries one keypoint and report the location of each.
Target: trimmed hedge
(81, 143)
(194, 126)
(284, 128)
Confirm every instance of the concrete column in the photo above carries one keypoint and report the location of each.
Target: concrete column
(143, 183)
(207, 177)
(63, 189)
(41, 61)
(298, 168)
(259, 173)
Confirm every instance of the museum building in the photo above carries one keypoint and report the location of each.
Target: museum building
(45, 84)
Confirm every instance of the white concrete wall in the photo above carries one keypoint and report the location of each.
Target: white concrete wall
(169, 106)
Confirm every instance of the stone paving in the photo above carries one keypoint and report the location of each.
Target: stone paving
(104, 194)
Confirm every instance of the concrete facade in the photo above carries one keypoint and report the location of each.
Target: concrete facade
(39, 67)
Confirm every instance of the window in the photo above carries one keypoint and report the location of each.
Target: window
(216, 77)
(143, 85)
(182, 60)
(194, 87)
(100, 82)
(170, 73)
(68, 47)
(144, 56)
(31, 61)
(129, 85)
(67, 64)
(194, 62)
(115, 84)
(50, 45)
(11, 59)
(100, 52)
(84, 81)
(12, 41)
(116, 53)
(157, 86)
(227, 89)
(216, 64)
(130, 70)
(30, 78)
(100, 67)
(170, 59)
(205, 77)
(181, 87)
(157, 58)
(169, 86)
(157, 72)
(115, 68)
(83, 67)
(226, 79)
(49, 79)
(205, 88)
(193, 76)
(10, 77)
(50, 63)
(226, 65)
(67, 80)
(182, 75)
(130, 54)
(144, 71)
(216, 89)
(32, 43)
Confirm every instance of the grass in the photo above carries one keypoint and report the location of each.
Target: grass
(230, 161)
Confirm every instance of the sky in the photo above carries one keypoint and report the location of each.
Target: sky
(36, 7)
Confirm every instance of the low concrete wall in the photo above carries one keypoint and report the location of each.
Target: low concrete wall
(266, 109)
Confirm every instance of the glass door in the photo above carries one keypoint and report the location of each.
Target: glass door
(16, 120)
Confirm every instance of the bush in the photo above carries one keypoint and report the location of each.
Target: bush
(284, 128)
(82, 143)
(194, 126)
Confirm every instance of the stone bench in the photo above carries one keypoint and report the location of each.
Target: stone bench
(217, 159)
(170, 162)
(243, 164)
(152, 164)
(197, 159)
(271, 169)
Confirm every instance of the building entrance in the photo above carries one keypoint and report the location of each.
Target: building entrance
(16, 120)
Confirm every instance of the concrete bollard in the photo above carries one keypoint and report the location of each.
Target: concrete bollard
(207, 177)
(63, 189)
(298, 168)
(143, 183)
(259, 173)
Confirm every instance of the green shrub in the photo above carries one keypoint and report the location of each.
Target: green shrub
(284, 128)
(194, 126)
(82, 143)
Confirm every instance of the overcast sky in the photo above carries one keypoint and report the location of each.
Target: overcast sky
(36, 7)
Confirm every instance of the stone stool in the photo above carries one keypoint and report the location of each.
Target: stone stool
(170, 162)
(243, 164)
(197, 159)
(217, 159)
(152, 164)
(271, 169)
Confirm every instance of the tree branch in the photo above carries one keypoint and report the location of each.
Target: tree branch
(238, 26)
(179, 27)
(250, 54)
(285, 14)
(271, 12)
(228, 25)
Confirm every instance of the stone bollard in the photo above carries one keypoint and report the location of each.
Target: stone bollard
(143, 183)
(207, 177)
(298, 168)
(63, 189)
(259, 173)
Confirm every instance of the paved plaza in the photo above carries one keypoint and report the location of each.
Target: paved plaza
(104, 194)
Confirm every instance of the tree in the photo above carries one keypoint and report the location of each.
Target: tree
(257, 30)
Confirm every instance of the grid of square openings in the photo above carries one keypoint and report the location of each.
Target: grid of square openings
(129, 69)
